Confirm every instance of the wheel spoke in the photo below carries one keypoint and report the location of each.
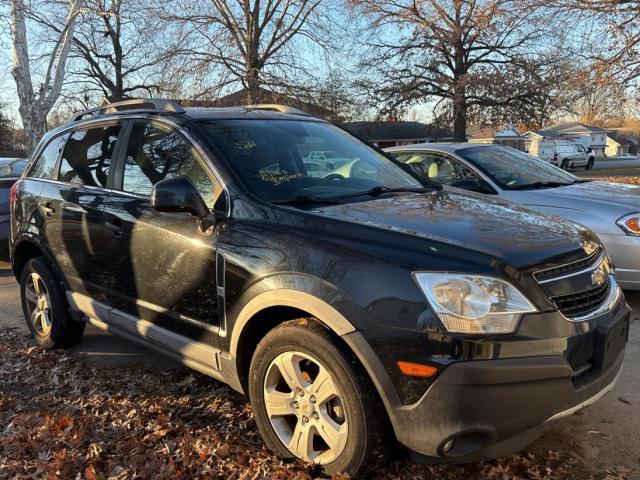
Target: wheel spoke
(333, 434)
(30, 294)
(289, 365)
(279, 403)
(46, 319)
(324, 387)
(36, 320)
(301, 443)
(36, 284)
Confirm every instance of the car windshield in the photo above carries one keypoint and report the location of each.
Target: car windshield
(513, 170)
(12, 167)
(285, 160)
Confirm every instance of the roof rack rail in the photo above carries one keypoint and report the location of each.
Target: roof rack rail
(153, 104)
(275, 107)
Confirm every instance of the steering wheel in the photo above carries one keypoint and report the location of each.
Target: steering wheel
(332, 177)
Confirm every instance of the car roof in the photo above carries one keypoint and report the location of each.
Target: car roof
(449, 147)
(213, 113)
(158, 108)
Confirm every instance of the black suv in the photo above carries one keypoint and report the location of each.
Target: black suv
(354, 304)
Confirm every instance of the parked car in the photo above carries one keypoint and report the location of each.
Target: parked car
(356, 311)
(565, 154)
(612, 210)
(10, 170)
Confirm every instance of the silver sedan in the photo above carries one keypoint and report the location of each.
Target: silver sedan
(612, 210)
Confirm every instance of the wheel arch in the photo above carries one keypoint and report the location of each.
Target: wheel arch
(26, 248)
(272, 308)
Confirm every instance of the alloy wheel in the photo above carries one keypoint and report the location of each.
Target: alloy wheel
(305, 407)
(38, 304)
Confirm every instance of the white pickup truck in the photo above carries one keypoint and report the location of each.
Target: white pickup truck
(565, 154)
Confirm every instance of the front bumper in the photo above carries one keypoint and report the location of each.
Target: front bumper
(479, 410)
(623, 250)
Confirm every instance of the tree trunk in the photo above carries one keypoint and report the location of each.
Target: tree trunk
(459, 113)
(34, 106)
(253, 86)
(35, 126)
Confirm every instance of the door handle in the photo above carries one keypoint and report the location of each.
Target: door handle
(48, 210)
(115, 226)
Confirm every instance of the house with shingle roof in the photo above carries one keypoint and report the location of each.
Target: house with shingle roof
(505, 135)
(392, 133)
(589, 136)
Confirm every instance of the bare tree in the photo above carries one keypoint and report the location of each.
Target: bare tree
(606, 32)
(117, 50)
(253, 43)
(460, 52)
(36, 102)
(595, 99)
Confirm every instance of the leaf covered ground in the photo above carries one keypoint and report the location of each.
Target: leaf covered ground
(632, 180)
(61, 417)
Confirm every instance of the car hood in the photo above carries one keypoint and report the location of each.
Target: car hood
(586, 196)
(596, 205)
(517, 236)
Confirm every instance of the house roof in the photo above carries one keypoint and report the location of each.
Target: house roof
(379, 131)
(263, 96)
(504, 131)
(569, 127)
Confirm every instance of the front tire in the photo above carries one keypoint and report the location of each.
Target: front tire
(312, 400)
(590, 164)
(44, 307)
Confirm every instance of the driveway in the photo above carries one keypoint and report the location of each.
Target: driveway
(97, 346)
(602, 438)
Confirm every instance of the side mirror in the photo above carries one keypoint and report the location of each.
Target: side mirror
(589, 150)
(178, 195)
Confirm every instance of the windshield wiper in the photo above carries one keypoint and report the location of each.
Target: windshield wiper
(380, 189)
(527, 186)
(305, 200)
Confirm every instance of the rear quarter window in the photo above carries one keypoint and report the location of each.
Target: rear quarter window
(44, 166)
(87, 156)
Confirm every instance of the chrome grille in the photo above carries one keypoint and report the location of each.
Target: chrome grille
(583, 303)
(581, 288)
(567, 268)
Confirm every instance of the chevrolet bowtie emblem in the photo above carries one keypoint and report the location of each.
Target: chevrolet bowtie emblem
(589, 247)
(600, 274)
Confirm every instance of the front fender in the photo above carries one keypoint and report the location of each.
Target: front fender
(597, 224)
(304, 292)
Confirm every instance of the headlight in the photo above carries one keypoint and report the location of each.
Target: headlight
(474, 303)
(630, 224)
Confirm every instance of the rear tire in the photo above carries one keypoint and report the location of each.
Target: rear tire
(564, 165)
(45, 308)
(327, 411)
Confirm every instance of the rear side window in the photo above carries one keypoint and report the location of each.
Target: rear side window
(87, 156)
(157, 153)
(45, 164)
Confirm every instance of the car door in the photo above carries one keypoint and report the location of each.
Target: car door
(163, 265)
(72, 206)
